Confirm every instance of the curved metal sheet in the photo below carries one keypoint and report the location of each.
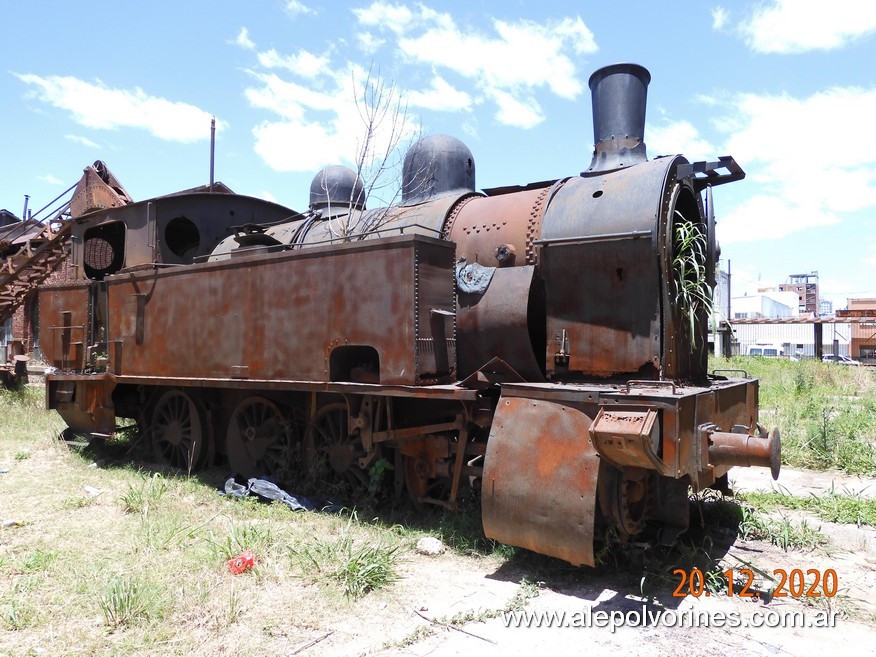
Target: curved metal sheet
(496, 324)
(622, 201)
(498, 230)
(539, 483)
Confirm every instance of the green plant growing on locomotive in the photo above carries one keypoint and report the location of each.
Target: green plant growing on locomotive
(690, 255)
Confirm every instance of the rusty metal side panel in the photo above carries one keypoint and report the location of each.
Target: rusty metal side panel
(539, 481)
(605, 296)
(64, 325)
(496, 324)
(275, 316)
(84, 402)
(435, 299)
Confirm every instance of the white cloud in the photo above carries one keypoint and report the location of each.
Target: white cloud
(303, 63)
(295, 8)
(518, 112)
(243, 40)
(368, 43)
(96, 105)
(506, 66)
(789, 146)
(82, 141)
(719, 17)
(50, 179)
(312, 98)
(764, 217)
(298, 146)
(677, 137)
(441, 96)
(396, 18)
(317, 127)
(795, 26)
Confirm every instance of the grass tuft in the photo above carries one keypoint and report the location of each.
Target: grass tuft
(358, 567)
(139, 499)
(833, 507)
(128, 600)
(781, 532)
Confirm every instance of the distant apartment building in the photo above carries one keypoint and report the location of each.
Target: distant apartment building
(825, 308)
(805, 286)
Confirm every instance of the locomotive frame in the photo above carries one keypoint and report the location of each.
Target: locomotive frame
(525, 338)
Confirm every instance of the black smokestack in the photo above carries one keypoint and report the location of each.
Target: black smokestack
(620, 94)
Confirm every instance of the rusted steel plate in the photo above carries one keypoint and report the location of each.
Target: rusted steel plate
(84, 403)
(603, 299)
(485, 227)
(496, 324)
(63, 325)
(282, 316)
(539, 483)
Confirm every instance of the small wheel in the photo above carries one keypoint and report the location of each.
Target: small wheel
(331, 454)
(259, 440)
(624, 498)
(177, 431)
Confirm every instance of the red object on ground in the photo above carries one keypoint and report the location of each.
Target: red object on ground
(242, 562)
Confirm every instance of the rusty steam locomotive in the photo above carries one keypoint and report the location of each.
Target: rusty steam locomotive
(529, 340)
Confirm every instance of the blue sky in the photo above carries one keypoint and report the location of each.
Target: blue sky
(785, 86)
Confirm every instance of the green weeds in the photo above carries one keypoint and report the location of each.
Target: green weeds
(140, 499)
(781, 532)
(358, 566)
(832, 507)
(128, 600)
(257, 538)
(826, 413)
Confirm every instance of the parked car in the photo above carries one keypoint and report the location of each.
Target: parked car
(839, 359)
(769, 350)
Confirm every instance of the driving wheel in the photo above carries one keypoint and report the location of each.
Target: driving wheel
(177, 430)
(259, 440)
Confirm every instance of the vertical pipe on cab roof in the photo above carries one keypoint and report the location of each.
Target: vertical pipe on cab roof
(212, 149)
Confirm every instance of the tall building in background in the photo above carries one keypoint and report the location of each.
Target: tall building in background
(825, 308)
(806, 288)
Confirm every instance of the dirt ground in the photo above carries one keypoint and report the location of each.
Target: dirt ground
(435, 588)
(405, 619)
(851, 553)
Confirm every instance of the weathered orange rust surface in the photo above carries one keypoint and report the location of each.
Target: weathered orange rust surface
(539, 484)
(280, 316)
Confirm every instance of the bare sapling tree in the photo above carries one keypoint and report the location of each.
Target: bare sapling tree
(387, 128)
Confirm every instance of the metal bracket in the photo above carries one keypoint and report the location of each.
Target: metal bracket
(703, 174)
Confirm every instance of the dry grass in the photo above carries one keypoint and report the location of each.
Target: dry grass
(123, 558)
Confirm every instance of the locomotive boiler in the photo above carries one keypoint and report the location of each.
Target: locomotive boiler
(545, 343)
